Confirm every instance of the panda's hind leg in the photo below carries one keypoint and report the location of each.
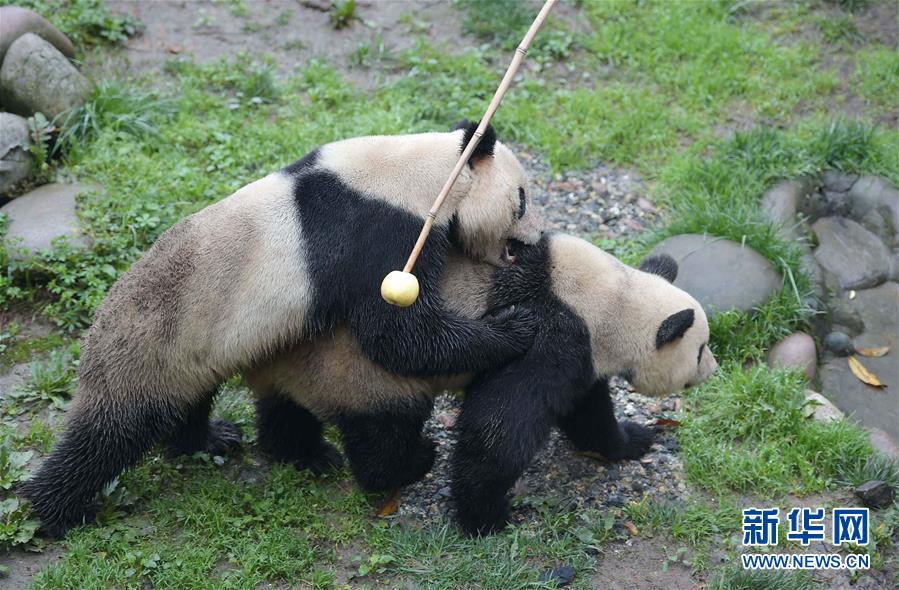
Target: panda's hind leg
(198, 433)
(591, 426)
(289, 433)
(386, 447)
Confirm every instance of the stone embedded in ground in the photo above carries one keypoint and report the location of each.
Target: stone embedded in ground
(16, 21)
(719, 273)
(839, 343)
(894, 266)
(36, 77)
(795, 351)
(562, 576)
(15, 159)
(35, 219)
(820, 408)
(836, 181)
(852, 255)
(781, 203)
(878, 309)
(882, 442)
(875, 494)
(872, 193)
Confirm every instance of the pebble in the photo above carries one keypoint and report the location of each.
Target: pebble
(839, 344)
(795, 351)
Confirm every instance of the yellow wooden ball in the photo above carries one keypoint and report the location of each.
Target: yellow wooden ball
(399, 288)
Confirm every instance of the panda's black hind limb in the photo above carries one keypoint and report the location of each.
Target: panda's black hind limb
(103, 437)
(289, 433)
(199, 433)
(386, 447)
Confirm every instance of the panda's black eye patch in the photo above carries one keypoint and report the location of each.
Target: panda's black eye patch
(522, 203)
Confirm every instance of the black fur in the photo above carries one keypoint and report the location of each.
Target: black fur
(93, 451)
(199, 433)
(289, 433)
(674, 327)
(485, 147)
(508, 412)
(386, 448)
(662, 265)
(352, 242)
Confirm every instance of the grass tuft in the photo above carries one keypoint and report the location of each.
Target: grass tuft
(740, 579)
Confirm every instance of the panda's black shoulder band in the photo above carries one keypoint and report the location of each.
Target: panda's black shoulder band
(485, 147)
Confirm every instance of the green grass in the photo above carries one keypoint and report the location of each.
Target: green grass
(740, 579)
(85, 22)
(662, 82)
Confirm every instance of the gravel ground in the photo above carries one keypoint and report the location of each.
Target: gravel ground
(603, 203)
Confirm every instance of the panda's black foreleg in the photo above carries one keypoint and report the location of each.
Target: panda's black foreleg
(199, 433)
(289, 433)
(103, 437)
(386, 448)
(427, 339)
(591, 426)
(499, 431)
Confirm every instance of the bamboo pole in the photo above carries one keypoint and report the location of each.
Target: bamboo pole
(504, 85)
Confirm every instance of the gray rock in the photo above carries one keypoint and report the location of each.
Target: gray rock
(719, 273)
(894, 266)
(38, 217)
(820, 408)
(855, 257)
(882, 442)
(874, 192)
(16, 21)
(781, 203)
(562, 576)
(795, 351)
(836, 181)
(15, 159)
(845, 319)
(875, 494)
(877, 408)
(36, 77)
(839, 344)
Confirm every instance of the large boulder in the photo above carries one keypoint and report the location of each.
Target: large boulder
(878, 309)
(15, 21)
(873, 193)
(853, 256)
(36, 77)
(35, 219)
(15, 160)
(781, 203)
(721, 274)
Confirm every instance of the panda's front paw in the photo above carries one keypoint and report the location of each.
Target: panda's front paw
(518, 326)
(637, 440)
(325, 459)
(223, 437)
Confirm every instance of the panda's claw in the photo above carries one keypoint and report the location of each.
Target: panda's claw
(638, 440)
(223, 437)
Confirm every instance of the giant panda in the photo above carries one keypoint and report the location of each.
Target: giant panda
(599, 318)
(283, 259)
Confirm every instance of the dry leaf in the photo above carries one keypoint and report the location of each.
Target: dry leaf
(873, 352)
(665, 423)
(592, 455)
(390, 505)
(631, 528)
(863, 374)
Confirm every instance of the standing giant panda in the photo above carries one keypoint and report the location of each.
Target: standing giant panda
(282, 259)
(599, 318)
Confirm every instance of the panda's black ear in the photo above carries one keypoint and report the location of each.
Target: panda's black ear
(662, 265)
(485, 147)
(674, 327)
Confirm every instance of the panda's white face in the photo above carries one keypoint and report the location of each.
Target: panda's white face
(641, 325)
(497, 208)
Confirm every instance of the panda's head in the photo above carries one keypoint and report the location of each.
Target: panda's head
(497, 207)
(641, 326)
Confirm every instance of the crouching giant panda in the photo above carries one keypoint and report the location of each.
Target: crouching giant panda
(281, 260)
(598, 318)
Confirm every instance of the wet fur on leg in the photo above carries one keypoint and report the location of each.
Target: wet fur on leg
(98, 444)
(289, 433)
(387, 449)
(199, 433)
